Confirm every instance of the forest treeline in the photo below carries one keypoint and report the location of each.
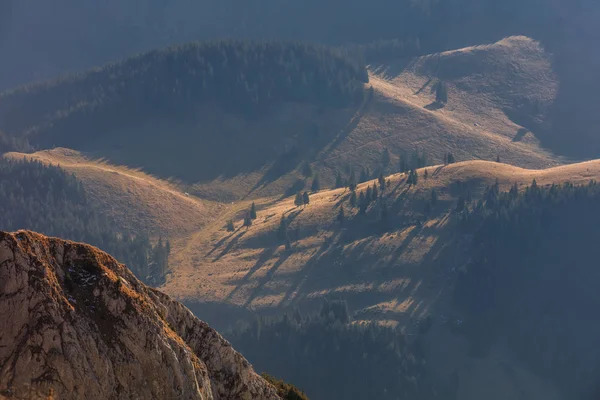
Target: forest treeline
(48, 200)
(329, 357)
(532, 282)
(121, 29)
(241, 76)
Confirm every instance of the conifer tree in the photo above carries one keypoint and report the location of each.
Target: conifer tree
(352, 181)
(316, 184)
(369, 195)
(253, 211)
(441, 93)
(413, 177)
(247, 221)
(305, 198)
(425, 174)
(374, 192)
(298, 201)
(230, 226)
(498, 159)
(381, 182)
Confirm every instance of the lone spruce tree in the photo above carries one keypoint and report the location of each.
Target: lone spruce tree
(230, 226)
(305, 198)
(352, 182)
(298, 201)
(441, 93)
(253, 211)
(247, 221)
(381, 182)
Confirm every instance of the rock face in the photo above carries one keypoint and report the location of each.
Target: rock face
(76, 324)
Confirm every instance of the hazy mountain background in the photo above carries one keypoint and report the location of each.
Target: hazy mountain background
(294, 170)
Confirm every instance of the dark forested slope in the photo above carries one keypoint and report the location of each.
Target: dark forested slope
(242, 77)
(330, 357)
(532, 283)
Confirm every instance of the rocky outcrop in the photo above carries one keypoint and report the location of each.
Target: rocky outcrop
(76, 324)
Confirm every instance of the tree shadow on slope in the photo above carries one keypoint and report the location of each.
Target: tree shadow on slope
(436, 105)
(335, 265)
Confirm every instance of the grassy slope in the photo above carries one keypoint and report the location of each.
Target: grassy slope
(398, 276)
(394, 276)
(230, 156)
(488, 85)
(387, 275)
(140, 201)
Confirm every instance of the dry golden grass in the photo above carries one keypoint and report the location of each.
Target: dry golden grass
(393, 275)
(387, 276)
(137, 200)
(226, 157)
(488, 85)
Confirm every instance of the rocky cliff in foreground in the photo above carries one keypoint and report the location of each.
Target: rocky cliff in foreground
(76, 324)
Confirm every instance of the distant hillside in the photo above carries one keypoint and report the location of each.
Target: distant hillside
(500, 97)
(396, 262)
(49, 200)
(251, 266)
(114, 30)
(385, 364)
(241, 77)
(138, 201)
(531, 282)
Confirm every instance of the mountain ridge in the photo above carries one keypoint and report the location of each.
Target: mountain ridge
(82, 326)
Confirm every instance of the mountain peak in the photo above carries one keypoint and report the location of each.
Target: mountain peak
(82, 326)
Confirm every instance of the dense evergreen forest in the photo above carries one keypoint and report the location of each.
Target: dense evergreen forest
(329, 357)
(387, 29)
(245, 77)
(117, 29)
(533, 282)
(46, 199)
